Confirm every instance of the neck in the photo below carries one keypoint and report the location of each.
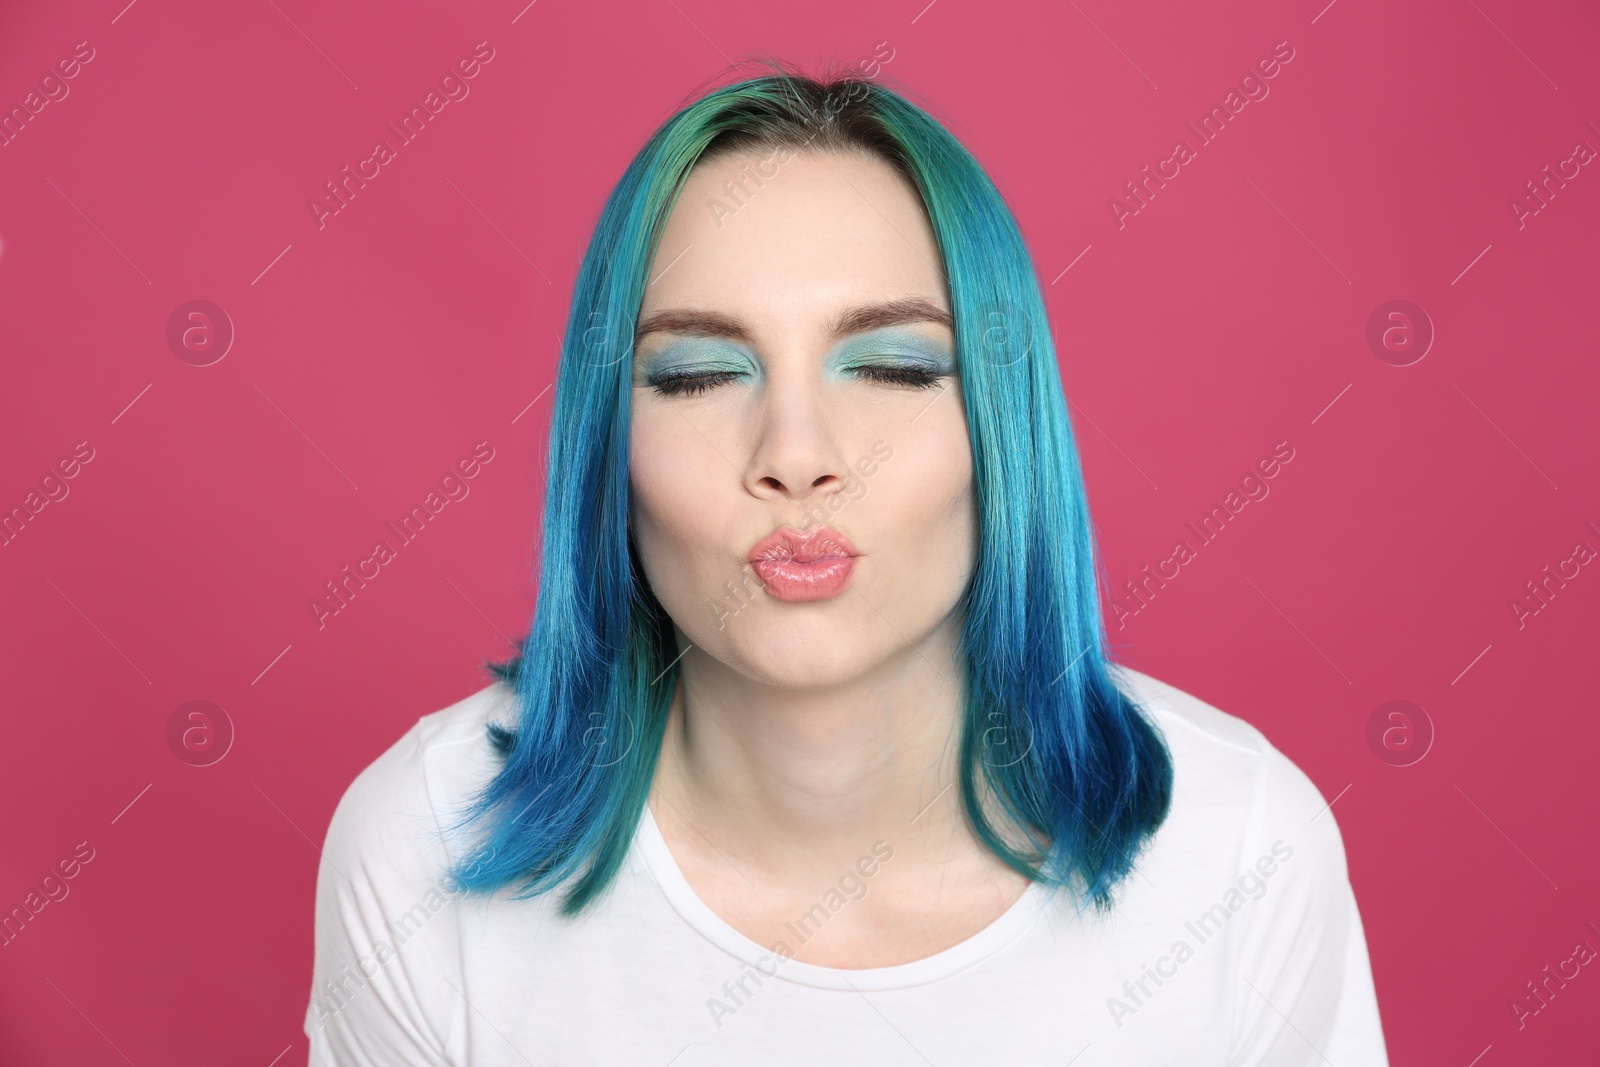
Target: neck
(787, 776)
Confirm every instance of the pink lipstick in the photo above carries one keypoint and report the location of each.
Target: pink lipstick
(797, 565)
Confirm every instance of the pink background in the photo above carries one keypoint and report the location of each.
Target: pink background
(374, 352)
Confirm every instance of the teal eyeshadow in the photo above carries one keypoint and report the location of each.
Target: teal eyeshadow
(892, 347)
(699, 355)
(888, 347)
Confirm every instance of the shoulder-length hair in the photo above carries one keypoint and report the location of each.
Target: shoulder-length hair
(1072, 760)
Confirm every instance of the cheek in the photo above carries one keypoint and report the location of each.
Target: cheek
(928, 507)
(675, 508)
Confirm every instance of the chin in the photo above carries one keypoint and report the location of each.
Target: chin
(805, 672)
(814, 653)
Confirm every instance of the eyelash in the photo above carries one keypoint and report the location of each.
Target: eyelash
(699, 384)
(915, 377)
(692, 384)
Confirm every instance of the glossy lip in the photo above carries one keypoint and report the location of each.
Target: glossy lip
(799, 565)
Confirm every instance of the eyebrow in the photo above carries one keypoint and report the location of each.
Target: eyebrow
(850, 321)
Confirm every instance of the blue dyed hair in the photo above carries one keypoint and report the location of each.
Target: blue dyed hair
(1081, 776)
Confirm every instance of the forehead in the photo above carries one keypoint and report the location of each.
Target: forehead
(789, 245)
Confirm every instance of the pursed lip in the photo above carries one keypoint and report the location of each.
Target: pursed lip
(804, 565)
(786, 544)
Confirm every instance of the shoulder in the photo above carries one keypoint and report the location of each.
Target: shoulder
(381, 990)
(1231, 785)
(1252, 853)
(400, 802)
(1190, 724)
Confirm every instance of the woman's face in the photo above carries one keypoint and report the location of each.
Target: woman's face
(801, 477)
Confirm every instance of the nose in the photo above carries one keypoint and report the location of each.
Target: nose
(796, 458)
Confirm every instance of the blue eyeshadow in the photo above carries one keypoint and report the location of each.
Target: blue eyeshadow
(889, 346)
(700, 354)
(893, 346)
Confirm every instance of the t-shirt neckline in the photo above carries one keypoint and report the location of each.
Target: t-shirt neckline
(989, 941)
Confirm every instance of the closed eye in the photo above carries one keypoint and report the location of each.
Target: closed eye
(914, 377)
(692, 384)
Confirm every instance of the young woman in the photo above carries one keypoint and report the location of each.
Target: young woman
(813, 753)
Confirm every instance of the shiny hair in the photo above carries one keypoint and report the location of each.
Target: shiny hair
(1072, 761)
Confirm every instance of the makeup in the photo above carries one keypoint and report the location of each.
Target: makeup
(693, 365)
(796, 565)
(893, 348)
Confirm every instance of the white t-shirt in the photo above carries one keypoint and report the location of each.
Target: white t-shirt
(1236, 941)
